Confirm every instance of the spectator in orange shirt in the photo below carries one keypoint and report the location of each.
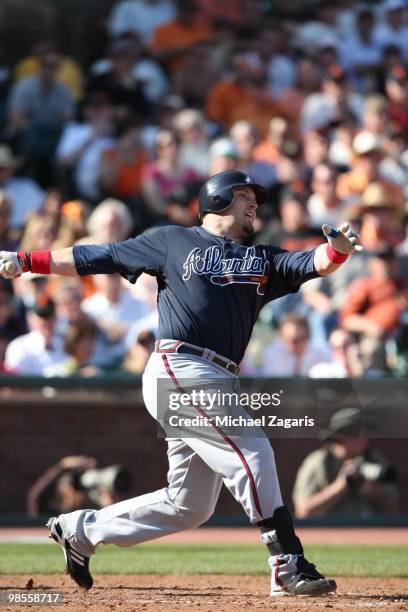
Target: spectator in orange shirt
(269, 149)
(372, 307)
(243, 96)
(172, 41)
(75, 215)
(121, 165)
(231, 10)
(121, 171)
(367, 157)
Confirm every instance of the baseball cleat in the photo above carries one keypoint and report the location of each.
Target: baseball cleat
(307, 581)
(77, 564)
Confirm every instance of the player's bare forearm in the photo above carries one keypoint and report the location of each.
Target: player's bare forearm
(322, 263)
(62, 262)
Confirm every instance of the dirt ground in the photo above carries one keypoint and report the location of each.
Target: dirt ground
(209, 593)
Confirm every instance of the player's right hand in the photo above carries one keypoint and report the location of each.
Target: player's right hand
(9, 265)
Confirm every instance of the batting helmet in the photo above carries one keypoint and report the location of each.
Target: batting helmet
(216, 194)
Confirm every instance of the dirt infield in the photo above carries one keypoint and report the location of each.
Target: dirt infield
(213, 593)
(207, 593)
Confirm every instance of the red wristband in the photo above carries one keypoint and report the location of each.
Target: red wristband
(24, 261)
(41, 262)
(334, 256)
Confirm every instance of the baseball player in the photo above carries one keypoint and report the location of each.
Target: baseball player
(212, 285)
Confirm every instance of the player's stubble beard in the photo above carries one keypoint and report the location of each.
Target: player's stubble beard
(241, 229)
(246, 227)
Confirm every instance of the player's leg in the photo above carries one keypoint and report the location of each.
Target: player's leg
(188, 500)
(247, 465)
(248, 468)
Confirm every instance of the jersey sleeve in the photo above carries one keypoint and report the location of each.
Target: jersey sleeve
(288, 271)
(130, 258)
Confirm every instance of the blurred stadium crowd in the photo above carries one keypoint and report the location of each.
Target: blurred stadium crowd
(313, 105)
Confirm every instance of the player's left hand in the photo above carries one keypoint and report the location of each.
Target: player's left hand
(343, 239)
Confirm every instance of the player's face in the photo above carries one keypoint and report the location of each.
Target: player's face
(244, 209)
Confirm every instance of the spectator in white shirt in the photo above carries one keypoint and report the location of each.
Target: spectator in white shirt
(360, 50)
(81, 145)
(113, 307)
(68, 299)
(38, 107)
(148, 323)
(31, 353)
(280, 68)
(323, 205)
(25, 195)
(293, 353)
(334, 102)
(142, 16)
(393, 30)
(40, 99)
(345, 361)
(190, 126)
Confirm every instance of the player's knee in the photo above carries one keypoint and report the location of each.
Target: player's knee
(193, 517)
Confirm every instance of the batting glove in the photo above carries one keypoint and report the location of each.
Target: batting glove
(343, 240)
(6, 269)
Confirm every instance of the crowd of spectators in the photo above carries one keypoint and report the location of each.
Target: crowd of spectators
(314, 107)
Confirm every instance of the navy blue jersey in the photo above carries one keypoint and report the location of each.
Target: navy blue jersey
(211, 288)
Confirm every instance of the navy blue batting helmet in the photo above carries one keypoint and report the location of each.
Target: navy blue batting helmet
(216, 194)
